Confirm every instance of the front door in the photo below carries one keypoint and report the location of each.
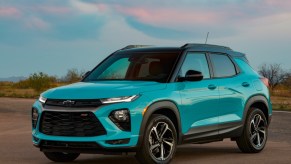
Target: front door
(199, 99)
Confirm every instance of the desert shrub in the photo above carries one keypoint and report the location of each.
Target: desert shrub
(23, 84)
(72, 76)
(37, 81)
(41, 81)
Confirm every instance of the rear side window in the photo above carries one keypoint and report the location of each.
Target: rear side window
(222, 65)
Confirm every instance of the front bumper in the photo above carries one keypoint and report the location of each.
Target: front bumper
(82, 147)
(113, 132)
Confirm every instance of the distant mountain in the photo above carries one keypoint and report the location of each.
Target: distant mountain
(13, 78)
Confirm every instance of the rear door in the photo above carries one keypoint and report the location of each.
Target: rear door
(232, 88)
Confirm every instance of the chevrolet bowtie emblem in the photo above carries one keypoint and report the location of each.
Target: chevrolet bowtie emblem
(68, 102)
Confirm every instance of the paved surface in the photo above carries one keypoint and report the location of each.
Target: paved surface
(16, 146)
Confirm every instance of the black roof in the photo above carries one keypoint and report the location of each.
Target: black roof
(188, 46)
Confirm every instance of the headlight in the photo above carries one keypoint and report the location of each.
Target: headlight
(42, 99)
(119, 99)
(34, 117)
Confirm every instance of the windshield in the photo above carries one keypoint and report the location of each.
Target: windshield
(135, 66)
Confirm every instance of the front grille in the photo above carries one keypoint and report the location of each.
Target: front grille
(71, 124)
(65, 144)
(73, 103)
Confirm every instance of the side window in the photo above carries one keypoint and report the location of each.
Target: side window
(222, 65)
(197, 62)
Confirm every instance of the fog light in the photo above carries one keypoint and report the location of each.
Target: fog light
(34, 117)
(121, 115)
(121, 118)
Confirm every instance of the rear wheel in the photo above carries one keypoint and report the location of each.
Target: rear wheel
(255, 134)
(160, 140)
(61, 156)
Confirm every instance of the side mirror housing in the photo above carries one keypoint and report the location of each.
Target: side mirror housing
(191, 75)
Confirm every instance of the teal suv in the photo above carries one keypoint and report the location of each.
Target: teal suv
(148, 100)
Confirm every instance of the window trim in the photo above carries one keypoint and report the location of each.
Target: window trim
(237, 70)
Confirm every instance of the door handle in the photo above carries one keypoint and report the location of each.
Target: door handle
(211, 87)
(245, 84)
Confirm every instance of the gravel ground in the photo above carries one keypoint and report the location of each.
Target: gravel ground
(16, 146)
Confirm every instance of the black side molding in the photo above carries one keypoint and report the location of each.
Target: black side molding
(160, 105)
(256, 99)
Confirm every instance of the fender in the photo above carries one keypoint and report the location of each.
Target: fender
(164, 104)
(251, 101)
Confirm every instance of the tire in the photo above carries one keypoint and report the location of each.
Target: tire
(255, 133)
(61, 157)
(164, 142)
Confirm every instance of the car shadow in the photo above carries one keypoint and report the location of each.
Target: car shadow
(185, 152)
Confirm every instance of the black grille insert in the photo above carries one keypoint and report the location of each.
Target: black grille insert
(70, 124)
(73, 103)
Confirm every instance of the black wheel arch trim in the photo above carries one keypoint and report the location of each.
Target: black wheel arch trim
(256, 99)
(159, 105)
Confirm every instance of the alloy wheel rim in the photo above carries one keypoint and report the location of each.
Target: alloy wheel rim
(161, 141)
(258, 131)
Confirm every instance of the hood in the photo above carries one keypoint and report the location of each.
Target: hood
(102, 89)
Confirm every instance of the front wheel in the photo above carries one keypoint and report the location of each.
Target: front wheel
(255, 134)
(61, 157)
(160, 140)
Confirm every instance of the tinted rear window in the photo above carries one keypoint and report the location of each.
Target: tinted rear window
(222, 65)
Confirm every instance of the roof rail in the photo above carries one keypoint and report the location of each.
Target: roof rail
(135, 46)
(193, 45)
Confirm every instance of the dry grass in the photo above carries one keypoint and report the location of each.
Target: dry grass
(281, 103)
(7, 90)
(19, 93)
(281, 99)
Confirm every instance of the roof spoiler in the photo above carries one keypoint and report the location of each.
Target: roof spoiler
(193, 45)
(135, 46)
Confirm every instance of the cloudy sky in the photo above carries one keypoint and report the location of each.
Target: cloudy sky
(55, 35)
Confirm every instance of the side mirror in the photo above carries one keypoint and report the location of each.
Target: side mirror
(86, 74)
(192, 75)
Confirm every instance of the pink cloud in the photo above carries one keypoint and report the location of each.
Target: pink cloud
(102, 7)
(279, 3)
(9, 12)
(89, 8)
(54, 9)
(186, 18)
(37, 23)
(168, 16)
(51, 9)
